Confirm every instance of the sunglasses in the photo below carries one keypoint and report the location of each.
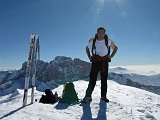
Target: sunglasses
(101, 32)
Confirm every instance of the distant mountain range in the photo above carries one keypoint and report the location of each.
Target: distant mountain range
(65, 69)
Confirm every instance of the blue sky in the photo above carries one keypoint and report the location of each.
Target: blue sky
(65, 26)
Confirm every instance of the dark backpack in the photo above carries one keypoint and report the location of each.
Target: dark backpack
(106, 42)
(48, 98)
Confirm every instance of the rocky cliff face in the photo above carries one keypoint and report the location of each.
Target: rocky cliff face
(62, 69)
(59, 71)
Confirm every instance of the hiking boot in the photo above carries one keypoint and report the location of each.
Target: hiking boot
(105, 99)
(86, 100)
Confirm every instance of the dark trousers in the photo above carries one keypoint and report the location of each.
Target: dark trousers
(102, 67)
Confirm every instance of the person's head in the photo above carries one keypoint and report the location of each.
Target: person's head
(101, 33)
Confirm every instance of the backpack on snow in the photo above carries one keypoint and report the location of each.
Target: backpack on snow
(69, 94)
(48, 98)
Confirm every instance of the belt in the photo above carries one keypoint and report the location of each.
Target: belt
(96, 58)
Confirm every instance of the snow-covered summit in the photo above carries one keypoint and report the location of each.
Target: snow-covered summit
(126, 103)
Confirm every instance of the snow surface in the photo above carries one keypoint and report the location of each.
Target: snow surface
(126, 103)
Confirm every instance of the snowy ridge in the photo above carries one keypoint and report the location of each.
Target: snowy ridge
(65, 69)
(126, 103)
(130, 80)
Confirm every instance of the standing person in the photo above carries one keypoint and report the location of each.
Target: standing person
(99, 46)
